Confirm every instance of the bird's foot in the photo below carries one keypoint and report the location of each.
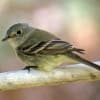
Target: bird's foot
(28, 68)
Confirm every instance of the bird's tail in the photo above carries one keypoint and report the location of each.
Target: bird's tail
(82, 60)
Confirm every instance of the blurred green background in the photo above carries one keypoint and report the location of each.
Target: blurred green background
(75, 21)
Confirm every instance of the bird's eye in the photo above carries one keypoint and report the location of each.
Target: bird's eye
(19, 32)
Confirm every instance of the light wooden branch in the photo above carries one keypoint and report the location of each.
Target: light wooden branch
(24, 79)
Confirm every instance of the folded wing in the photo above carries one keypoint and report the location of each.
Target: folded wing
(55, 46)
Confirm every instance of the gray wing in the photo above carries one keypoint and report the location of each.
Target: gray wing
(42, 42)
(51, 47)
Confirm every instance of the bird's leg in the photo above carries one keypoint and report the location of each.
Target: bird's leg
(29, 68)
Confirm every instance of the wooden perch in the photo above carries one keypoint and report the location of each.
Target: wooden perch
(24, 79)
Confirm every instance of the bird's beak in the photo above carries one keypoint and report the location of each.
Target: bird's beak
(6, 38)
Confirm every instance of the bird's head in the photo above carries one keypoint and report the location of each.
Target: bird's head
(16, 34)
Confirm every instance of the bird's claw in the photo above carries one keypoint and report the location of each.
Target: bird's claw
(28, 68)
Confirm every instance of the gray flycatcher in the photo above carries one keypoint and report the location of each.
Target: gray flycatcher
(42, 50)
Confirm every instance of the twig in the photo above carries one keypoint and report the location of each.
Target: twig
(24, 79)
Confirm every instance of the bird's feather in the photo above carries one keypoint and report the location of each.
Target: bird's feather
(51, 47)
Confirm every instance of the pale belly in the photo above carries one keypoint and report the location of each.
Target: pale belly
(45, 62)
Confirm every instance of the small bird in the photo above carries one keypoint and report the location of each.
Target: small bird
(42, 50)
